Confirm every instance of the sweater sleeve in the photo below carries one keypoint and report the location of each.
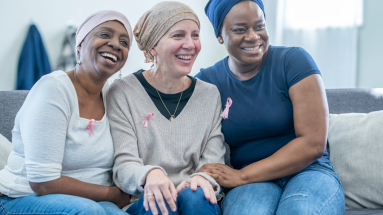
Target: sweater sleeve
(129, 171)
(214, 151)
(43, 127)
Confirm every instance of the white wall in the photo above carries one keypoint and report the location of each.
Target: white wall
(50, 17)
(370, 68)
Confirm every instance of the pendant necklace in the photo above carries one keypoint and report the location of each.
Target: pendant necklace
(172, 117)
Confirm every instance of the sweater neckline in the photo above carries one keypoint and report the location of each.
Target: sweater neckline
(157, 112)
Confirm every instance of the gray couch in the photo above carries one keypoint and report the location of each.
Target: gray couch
(340, 101)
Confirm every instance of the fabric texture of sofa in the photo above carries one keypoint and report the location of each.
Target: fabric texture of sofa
(340, 101)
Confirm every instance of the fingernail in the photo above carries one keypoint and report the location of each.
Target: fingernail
(174, 209)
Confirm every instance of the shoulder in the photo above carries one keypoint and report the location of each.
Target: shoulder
(124, 84)
(206, 89)
(288, 53)
(210, 73)
(56, 83)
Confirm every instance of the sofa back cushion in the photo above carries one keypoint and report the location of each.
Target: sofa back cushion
(10, 104)
(356, 142)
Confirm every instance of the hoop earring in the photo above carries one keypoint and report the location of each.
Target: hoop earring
(119, 76)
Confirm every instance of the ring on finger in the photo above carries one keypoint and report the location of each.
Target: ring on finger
(150, 194)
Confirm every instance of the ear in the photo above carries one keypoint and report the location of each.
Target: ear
(220, 39)
(153, 52)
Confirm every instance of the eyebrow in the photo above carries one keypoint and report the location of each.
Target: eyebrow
(243, 23)
(112, 30)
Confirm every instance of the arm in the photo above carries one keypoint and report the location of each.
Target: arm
(43, 126)
(213, 152)
(310, 121)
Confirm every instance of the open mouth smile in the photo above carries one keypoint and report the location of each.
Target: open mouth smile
(252, 48)
(184, 57)
(109, 57)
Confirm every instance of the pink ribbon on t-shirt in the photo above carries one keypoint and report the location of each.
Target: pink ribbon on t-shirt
(225, 113)
(145, 122)
(91, 122)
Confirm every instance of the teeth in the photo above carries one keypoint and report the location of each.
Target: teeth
(184, 57)
(109, 55)
(251, 49)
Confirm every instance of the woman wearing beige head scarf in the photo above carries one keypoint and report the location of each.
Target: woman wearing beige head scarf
(165, 124)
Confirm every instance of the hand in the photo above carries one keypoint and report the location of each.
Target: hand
(121, 199)
(159, 187)
(199, 181)
(224, 175)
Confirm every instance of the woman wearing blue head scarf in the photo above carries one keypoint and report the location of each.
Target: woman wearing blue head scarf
(275, 120)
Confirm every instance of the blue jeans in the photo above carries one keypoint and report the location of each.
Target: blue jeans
(314, 190)
(56, 204)
(188, 203)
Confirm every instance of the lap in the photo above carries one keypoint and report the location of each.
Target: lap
(256, 198)
(314, 190)
(188, 202)
(53, 204)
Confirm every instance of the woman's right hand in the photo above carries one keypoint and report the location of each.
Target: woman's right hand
(158, 188)
(120, 198)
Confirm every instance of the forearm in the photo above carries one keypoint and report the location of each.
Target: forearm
(71, 186)
(290, 159)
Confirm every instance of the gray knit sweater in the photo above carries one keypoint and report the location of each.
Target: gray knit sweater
(179, 147)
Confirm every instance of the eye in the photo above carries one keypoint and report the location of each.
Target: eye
(260, 27)
(124, 43)
(195, 35)
(104, 35)
(178, 35)
(239, 30)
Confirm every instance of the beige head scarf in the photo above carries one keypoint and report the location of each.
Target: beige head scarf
(154, 24)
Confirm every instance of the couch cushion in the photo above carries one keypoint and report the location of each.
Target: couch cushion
(356, 143)
(10, 104)
(5, 149)
(364, 212)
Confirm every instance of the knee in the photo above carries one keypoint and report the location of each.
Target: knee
(190, 198)
(86, 206)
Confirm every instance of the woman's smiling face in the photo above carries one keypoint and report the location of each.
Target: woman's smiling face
(244, 33)
(178, 48)
(105, 49)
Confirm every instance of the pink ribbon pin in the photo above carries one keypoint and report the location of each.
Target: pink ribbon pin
(225, 113)
(91, 122)
(145, 122)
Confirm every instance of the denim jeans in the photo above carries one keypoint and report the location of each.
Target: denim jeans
(56, 204)
(314, 190)
(188, 203)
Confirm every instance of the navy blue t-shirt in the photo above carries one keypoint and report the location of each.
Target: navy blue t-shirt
(260, 119)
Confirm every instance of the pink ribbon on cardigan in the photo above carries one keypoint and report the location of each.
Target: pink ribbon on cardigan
(91, 122)
(145, 122)
(225, 113)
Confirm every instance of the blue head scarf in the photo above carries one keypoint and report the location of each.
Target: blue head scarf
(216, 11)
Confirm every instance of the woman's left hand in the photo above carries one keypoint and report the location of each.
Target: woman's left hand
(199, 181)
(224, 175)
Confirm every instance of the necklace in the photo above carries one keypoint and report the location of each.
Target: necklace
(172, 117)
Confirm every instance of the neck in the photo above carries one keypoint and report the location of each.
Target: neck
(85, 84)
(166, 83)
(245, 71)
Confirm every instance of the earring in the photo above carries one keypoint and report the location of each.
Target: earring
(78, 61)
(119, 76)
(220, 40)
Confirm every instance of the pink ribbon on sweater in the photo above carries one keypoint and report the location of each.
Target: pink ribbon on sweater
(145, 122)
(91, 122)
(225, 113)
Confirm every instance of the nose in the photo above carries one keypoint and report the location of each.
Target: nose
(252, 35)
(114, 43)
(188, 43)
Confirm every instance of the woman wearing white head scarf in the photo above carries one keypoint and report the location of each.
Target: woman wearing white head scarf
(62, 147)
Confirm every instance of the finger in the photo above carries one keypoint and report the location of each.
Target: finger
(213, 198)
(152, 202)
(206, 190)
(174, 192)
(215, 176)
(159, 198)
(146, 204)
(181, 186)
(168, 196)
(193, 185)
